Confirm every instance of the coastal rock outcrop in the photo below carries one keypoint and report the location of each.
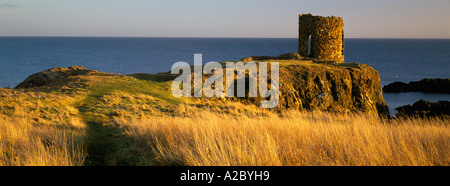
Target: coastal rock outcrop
(424, 109)
(340, 87)
(55, 74)
(355, 88)
(441, 86)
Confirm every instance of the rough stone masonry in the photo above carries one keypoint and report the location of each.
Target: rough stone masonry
(321, 37)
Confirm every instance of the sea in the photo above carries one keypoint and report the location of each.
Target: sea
(395, 59)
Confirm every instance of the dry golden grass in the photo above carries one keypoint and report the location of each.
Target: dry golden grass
(39, 129)
(25, 144)
(39, 107)
(48, 127)
(294, 138)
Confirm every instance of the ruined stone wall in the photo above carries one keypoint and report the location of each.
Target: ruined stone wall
(322, 36)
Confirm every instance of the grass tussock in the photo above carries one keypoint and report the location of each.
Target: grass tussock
(40, 129)
(24, 144)
(294, 138)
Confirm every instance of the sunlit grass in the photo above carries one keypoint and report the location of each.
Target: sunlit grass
(40, 129)
(294, 138)
(143, 124)
(24, 144)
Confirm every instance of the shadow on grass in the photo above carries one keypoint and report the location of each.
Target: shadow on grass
(106, 145)
(160, 77)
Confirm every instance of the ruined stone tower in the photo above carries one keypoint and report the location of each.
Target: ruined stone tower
(321, 37)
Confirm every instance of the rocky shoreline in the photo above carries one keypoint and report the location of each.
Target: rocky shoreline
(424, 109)
(440, 86)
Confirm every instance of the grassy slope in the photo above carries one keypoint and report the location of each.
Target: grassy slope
(138, 96)
(84, 112)
(118, 96)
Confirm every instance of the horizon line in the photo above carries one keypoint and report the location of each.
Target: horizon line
(217, 37)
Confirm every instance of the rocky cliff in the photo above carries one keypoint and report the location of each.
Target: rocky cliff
(341, 87)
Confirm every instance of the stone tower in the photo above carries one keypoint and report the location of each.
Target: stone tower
(321, 37)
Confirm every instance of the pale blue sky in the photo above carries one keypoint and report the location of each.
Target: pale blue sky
(224, 18)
